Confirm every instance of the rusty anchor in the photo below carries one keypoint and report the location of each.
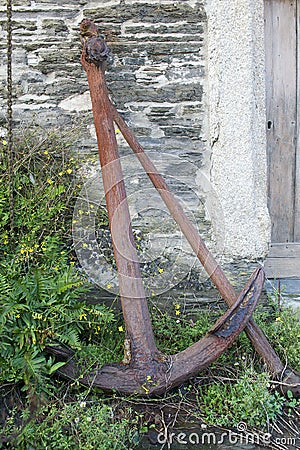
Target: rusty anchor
(144, 360)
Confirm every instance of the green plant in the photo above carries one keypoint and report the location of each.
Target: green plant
(174, 331)
(77, 425)
(37, 309)
(238, 389)
(291, 403)
(41, 293)
(281, 325)
(249, 399)
(44, 186)
(104, 345)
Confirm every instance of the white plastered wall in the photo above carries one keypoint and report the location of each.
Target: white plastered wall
(236, 125)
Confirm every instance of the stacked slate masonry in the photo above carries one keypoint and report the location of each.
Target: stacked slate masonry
(155, 74)
(163, 76)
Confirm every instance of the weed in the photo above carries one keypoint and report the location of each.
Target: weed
(37, 309)
(175, 332)
(249, 399)
(76, 425)
(238, 388)
(40, 290)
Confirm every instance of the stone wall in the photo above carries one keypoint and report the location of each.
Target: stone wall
(155, 73)
(187, 75)
(156, 77)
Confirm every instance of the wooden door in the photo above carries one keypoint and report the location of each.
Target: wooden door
(282, 49)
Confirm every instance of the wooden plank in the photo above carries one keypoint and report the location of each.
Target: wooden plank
(282, 267)
(287, 286)
(289, 250)
(283, 261)
(280, 39)
(297, 172)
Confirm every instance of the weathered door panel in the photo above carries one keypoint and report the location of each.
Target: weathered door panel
(297, 163)
(282, 44)
(281, 98)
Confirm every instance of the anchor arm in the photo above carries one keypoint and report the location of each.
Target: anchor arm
(162, 373)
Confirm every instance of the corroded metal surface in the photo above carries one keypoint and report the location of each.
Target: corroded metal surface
(163, 372)
(133, 300)
(96, 50)
(145, 362)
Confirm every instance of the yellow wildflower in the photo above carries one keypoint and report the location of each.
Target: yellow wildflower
(50, 181)
(160, 270)
(108, 286)
(36, 315)
(177, 312)
(121, 329)
(278, 319)
(82, 316)
(4, 142)
(69, 171)
(46, 152)
(145, 389)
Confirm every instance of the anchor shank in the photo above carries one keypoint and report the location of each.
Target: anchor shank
(133, 299)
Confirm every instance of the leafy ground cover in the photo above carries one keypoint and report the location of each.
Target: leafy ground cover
(44, 301)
